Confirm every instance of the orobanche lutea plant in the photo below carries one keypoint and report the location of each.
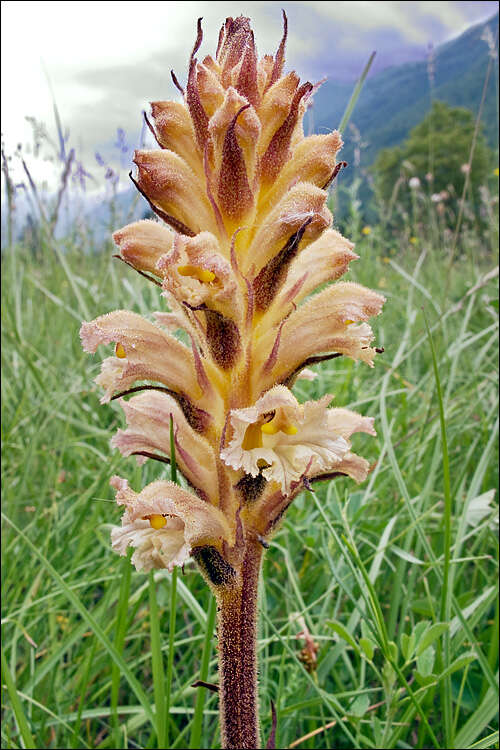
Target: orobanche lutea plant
(244, 238)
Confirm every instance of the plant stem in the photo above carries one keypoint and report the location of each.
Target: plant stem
(237, 638)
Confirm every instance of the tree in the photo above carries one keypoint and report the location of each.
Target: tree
(437, 153)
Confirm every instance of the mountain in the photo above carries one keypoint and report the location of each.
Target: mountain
(393, 101)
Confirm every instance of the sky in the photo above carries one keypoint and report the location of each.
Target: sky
(106, 60)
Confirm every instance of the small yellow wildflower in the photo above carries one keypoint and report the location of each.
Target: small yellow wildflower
(414, 240)
(366, 230)
(62, 621)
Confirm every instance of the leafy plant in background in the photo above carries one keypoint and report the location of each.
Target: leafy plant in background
(245, 194)
(435, 157)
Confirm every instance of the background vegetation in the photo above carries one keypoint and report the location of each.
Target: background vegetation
(437, 152)
(380, 617)
(398, 98)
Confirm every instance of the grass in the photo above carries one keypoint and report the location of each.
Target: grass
(395, 579)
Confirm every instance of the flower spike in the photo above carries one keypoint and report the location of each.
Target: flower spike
(249, 266)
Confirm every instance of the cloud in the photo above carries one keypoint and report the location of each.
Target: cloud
(107, 60)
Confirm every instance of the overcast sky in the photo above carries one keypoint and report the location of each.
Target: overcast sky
(107, 60)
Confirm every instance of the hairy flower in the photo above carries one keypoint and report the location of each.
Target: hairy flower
(163, 523)
(148, 434)
(283, 438)
(243, 238)
(247, 265)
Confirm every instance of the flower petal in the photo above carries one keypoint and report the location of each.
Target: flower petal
(236, 36)
(193, 100)
(150, 354)
(351, 465)
(154, 549)
(217, 289)
(170, 183)
(235, 197)
(244, 75)
(174, 130)
(203, 522)
(278, 152)
(302, 438)
(323, 324)
(312, 160)
(275, 107)
(210, 90)
(346, 422)
(304, 201)
(326, 259)
(143, 243)
(148, 419)
(247, 130)
(190, 522)
(203, 281)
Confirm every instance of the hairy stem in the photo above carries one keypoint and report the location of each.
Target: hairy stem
(237, 637)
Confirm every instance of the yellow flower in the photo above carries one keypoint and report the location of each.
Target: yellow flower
(62, 621)
(495, 171)
(414, 240)
(366, 230)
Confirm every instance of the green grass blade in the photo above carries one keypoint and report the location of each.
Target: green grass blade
(157, 664)
(91, 622)
(173, 602)
(477, 723)
(446, 592)
(330, 700)
(171, 645)
(120, 631)
(56, 719)
(173, 461)
(490, 741)
(355, 94)
(197, 725)
(81, 702)
(386, 429)
(384, 639)
(21, 720)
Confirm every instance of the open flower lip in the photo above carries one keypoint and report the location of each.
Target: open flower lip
(285, 441)
(195, 272)
(191, 522)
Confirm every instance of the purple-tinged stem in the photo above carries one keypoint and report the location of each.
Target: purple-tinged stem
(237, 639)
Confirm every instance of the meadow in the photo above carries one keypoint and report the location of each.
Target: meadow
(379, 604)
